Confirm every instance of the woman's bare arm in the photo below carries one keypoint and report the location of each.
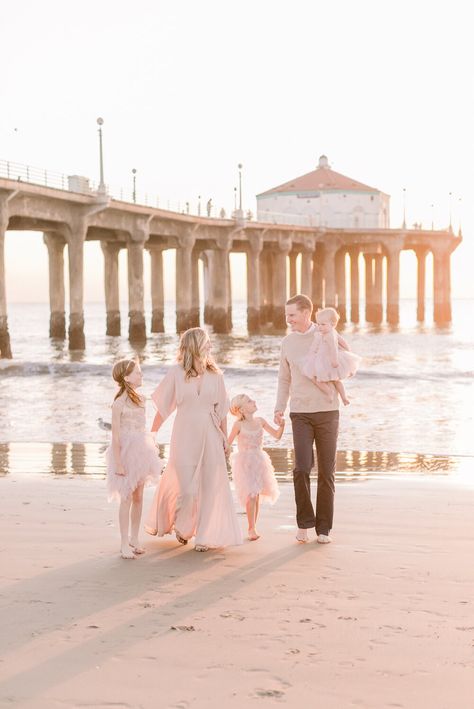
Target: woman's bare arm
(157, 422)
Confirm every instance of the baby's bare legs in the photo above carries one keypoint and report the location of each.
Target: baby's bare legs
(252, 512)
(124, 522)
(324, 386)
(341, 391)
(135, 518)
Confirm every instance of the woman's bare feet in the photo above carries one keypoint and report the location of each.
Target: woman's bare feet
(180, 539)
(136, 547)
(252, 535)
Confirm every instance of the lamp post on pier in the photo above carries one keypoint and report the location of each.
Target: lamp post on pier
(240, 185)
(134, 192)
(101, 190)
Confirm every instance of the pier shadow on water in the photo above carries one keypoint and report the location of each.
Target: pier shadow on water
(88, 459)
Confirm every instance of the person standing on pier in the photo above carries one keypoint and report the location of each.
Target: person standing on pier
(315, 420)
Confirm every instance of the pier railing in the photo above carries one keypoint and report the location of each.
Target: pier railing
(83, 185)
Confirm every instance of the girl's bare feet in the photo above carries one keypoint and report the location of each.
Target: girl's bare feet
(127, 552)
(252, 535)
(136, 548)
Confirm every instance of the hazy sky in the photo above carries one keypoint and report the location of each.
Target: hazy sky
(189, 89)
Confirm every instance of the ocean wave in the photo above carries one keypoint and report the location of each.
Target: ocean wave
(12, 368)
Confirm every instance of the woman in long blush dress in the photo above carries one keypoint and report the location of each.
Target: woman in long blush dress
(194, 497)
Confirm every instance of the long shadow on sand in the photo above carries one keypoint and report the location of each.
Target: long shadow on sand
(95, 586)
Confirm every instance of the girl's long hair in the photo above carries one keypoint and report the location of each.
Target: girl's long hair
(123, 368)
(191, 353)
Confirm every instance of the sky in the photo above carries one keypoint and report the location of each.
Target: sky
(188, 90)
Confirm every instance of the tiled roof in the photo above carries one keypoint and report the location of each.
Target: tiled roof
(323, 178)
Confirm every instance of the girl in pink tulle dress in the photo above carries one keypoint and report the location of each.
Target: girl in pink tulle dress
(252, 470)
(329, 359)
(132, 458)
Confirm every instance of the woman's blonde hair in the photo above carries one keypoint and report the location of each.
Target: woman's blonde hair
(330, 313)
(236, 406)
(123, 368)
(191, 353)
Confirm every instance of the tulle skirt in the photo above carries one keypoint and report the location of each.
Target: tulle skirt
(140, 460)
(253, 474)
(320, 367)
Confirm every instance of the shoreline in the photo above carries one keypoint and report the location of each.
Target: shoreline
(382, 617)
(77, 458)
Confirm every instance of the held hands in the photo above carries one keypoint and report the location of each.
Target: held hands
(278, 418)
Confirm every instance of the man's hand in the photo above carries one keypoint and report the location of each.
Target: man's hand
(278, 418)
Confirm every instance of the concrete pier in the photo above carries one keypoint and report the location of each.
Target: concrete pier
(340, 266)
(157, 289)
(208, 270)
(441, 285)
(111, 252)
(76, 236)
(195, 310)
(184, 286)
(369, 288)
(317, 285)
(354, 260)
(266, 287)
(393, 283)
(292, 271)
(272, 250)
(378, 289)
(307, 268)
(57, 319)
(220, 291)
(279, 281)
(421, 283)
(5, 348)
(253, 283)
(329, 276)
(136, 305)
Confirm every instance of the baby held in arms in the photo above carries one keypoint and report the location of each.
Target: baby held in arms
(329, 359)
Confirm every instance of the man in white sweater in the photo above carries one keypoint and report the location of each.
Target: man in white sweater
(315, 420)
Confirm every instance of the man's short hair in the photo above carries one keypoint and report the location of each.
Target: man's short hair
(301, 301)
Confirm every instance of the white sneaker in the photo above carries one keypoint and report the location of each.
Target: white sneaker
(323, 539)
(302, 536)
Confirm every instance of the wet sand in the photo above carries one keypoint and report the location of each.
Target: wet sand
(382, 617)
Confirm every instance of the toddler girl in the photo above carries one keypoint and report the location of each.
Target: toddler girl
(329, 359)
(252, 470)
(132, 457)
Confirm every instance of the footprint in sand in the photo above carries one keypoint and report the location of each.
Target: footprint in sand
(232, 614)
(275, 693)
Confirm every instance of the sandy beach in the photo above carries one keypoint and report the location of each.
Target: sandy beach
(382, 617)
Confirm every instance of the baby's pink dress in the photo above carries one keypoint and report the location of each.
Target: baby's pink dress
(317, 362)
(252, 470)
(138, 454)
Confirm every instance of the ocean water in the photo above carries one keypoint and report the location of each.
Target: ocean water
(411, 401)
